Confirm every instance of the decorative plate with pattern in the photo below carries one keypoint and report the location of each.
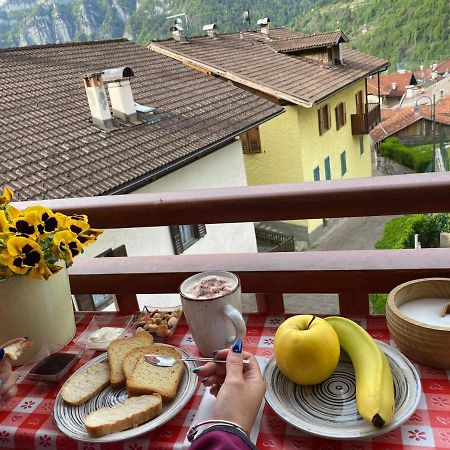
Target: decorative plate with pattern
(329, 409)
(70, 418)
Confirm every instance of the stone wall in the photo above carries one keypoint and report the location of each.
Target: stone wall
(390, 167)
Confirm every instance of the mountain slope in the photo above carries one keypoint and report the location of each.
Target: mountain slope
(407, 32)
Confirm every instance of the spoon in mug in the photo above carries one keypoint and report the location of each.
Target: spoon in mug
(168, 361)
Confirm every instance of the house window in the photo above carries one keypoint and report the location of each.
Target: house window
(343, 163)
(361, 144)
(324, 119)
(327, 168)
(359, 102)
(316, 174)
(183, 236)
(341, 116)
(251, 141)
(97, 302)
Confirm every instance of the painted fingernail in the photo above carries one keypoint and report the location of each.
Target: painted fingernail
(205, 379)
(196, 369)
(237, 346)
(2, 353)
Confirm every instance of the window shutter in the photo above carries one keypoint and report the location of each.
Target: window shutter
(344, 115)
(359, 103)
(328, 115)
(201, 230)
(244, 143)
(320, 121)
(254, 140)
(176, 239)
(337, 112)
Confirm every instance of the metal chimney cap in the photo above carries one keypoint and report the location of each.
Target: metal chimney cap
(117, 73)
(209, 27)
(264, 21)
(176, 27)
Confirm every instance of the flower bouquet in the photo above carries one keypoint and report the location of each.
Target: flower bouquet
(34, 240)
(36, 247)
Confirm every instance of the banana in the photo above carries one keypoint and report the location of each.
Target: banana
(374, 384)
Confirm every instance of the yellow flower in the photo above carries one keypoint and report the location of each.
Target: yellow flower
(23, 254)
(67, 245)
(6, 196)
(26, 224)
(89, 236)
(46, 221)
(77, 224)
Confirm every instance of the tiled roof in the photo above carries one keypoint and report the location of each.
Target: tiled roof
(306, 42)
(443, 66)
(404, 117)
(51, 149)
(247, 58)
(401, 80)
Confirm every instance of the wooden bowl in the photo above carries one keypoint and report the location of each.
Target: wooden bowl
(426, 338)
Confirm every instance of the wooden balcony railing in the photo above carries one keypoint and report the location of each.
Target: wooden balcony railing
(364, 123)
(351, 274)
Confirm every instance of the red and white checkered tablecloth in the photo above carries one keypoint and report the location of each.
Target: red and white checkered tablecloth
(26, 422)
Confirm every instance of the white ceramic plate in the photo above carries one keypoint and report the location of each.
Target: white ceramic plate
(329, 409)
(70, 418)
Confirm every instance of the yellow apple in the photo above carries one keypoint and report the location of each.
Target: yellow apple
(306, 349)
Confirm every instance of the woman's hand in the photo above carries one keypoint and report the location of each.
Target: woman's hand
(8, 378)
(239, 388)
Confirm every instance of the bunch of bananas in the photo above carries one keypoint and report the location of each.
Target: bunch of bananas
(374, 385)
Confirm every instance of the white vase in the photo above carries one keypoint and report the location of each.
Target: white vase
(39, 309)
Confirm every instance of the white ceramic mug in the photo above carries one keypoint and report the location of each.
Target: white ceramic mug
(214, 322)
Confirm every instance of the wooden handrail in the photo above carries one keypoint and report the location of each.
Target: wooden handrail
(400, 194)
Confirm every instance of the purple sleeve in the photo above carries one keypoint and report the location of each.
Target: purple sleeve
(219, 440)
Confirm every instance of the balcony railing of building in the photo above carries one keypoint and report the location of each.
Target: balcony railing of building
(272, 241)
(351, 274)
(365, 122)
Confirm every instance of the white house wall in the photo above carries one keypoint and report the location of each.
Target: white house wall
(223, 168)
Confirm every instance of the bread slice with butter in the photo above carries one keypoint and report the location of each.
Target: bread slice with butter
(147, 378)
(117, 350)
(133, 412)
(82, 386)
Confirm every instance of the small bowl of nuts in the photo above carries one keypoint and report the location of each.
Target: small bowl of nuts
(159, 322)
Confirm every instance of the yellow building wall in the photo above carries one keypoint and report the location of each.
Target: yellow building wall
(292, 147)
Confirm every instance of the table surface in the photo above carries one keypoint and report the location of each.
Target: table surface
(26, 422)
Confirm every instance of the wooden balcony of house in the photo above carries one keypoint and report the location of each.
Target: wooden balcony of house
(365, 122)
(351, 274)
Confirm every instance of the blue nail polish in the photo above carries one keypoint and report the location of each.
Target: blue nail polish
(237, 346)
(196, 369)
(2, 353)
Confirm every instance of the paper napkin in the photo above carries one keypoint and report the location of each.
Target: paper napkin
(205, 410)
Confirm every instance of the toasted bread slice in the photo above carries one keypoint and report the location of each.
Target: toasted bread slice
(14, 351)
(147, 378)
(133, 412)
(82, 386)
(117, 351)
(131, 358)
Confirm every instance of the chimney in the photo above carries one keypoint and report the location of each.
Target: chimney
(394, 85)
(178, 33)
(211, 29)
(409, 90)
(98, 102)
(120, 95)
(264, 24)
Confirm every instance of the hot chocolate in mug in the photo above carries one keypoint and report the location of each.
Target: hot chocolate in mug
(212, 307)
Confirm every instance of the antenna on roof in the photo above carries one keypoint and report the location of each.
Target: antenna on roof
(178, 20)
(246, 19)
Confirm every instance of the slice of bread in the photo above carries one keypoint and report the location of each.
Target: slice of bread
(82, 386)
(131, 358)
(117, 351)
(147, 378)
(14, 351)
(133, 412)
